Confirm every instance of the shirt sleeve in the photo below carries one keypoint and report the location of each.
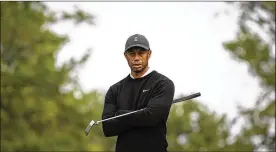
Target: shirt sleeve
(157, 108)
(112, 127)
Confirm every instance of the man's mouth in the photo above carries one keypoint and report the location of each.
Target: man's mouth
(137, 65)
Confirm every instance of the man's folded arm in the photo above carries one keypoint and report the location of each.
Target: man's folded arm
(112, 127)
(157, 109)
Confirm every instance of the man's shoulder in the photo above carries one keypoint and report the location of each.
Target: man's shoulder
(162, 77)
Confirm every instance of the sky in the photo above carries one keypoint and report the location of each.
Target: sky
(186, 41)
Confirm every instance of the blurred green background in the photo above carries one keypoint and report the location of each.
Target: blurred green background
(38, 113)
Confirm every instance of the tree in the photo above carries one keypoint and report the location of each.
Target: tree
(42, 106)
(192, 127)
(254, 45)
(213, 133)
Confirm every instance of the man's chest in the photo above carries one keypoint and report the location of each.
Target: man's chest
(133, 96)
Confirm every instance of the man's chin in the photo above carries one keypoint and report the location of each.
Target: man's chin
(137, 70)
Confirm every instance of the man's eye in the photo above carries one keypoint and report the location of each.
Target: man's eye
(131, 53)
(141, 53)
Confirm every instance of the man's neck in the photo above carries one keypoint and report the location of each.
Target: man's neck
(140, 74)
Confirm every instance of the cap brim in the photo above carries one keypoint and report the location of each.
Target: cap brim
(137, 45)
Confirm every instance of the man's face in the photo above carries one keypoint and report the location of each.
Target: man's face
(137, 58)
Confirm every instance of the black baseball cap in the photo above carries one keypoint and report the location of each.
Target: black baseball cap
(137, 40)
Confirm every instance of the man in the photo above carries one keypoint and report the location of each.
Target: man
(144, 131)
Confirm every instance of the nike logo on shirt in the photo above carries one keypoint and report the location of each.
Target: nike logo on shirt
(145, 90)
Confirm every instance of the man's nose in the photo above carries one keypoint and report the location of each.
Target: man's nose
(136, 56)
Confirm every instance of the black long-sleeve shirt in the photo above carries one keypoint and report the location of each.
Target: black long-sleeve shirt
(144, 131)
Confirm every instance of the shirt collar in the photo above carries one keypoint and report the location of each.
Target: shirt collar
(148, 71)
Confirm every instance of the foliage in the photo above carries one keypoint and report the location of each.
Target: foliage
(42, 106)
(254, 46)
(192, 127)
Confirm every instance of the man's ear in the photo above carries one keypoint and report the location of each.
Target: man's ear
(125, 55)
(149, 54)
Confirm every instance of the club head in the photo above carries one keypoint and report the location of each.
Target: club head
(88, 128)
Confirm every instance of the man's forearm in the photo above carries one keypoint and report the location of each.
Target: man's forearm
(115, 127)
(143, 118)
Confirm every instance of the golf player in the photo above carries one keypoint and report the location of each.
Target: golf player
(144, 131)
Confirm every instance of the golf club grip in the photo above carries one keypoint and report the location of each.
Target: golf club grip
(187, 97)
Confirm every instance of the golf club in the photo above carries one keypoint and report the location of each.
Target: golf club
(92, 122)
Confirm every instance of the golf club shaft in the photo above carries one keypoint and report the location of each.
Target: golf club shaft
(119, 116)
(174, 101)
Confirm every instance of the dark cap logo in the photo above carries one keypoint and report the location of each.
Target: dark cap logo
(136, 38)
